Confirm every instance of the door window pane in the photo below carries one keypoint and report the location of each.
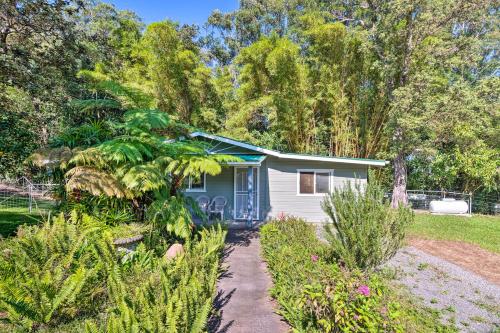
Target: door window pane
(241, 180)
(306, 182)
(322, 182)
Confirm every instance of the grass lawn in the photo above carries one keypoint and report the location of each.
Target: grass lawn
(17, 213)
(479, 229)
(11, 218)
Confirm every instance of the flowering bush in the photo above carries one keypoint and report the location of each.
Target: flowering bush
(315, 294)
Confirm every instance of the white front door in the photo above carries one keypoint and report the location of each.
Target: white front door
(241, 193)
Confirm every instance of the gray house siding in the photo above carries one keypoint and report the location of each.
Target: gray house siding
(282, 187)
(223, 185)
(278, 187)
(219, 185)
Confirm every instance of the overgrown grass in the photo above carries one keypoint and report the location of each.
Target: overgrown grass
(479, 229)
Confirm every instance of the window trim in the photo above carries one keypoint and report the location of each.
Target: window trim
(330, 182)
(204, 189)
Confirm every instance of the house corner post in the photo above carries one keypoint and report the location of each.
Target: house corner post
(250, 197)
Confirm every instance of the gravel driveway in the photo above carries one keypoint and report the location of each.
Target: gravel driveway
(462, 297)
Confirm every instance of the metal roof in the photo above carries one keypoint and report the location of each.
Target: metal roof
(349, 160)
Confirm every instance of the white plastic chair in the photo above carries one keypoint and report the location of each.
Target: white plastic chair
(217, 206)
(203, 202)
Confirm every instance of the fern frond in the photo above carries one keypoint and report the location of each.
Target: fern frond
(146, 119)
(125, 149)
(96, 182)
(51, 157)
(144, 177)
(91, 105)
(69, 290)
(90, 156)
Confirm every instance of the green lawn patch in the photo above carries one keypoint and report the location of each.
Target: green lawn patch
(17, 213)
(11, 218)
(479, 229)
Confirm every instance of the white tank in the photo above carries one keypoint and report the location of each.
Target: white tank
(448, 206)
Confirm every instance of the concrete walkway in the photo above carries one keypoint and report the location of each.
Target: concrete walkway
(243, 301)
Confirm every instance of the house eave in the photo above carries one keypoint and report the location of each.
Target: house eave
(345, 160)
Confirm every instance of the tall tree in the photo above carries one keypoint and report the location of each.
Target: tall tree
(181, 83)
(273, 93)
(40, 49)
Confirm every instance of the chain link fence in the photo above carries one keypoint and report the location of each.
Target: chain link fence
(478, 203)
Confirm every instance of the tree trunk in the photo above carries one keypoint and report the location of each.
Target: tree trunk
(399, 196)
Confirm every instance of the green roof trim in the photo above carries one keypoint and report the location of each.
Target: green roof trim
(250, 158)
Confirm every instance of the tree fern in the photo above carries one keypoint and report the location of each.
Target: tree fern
(145, 119)
(96, 182)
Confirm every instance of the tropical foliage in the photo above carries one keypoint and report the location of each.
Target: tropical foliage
(54, 272)
(365, 231)
(124, 155)
(413, 82)
(316, 294)
(67, 273)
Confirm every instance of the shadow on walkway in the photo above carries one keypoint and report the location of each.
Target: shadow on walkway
(242, 303)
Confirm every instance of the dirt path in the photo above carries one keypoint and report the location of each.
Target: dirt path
(243, 299)
(466, 255)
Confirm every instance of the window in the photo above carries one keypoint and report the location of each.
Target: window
(307, 182)
(311, 182)
(194, 184)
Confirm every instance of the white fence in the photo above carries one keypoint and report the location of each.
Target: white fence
(23, 193)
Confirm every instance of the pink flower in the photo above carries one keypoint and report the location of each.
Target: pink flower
(356, 317)
(314, 258)
(281, 216)
(364, 290)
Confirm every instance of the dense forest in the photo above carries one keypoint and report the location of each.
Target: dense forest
(414, 82)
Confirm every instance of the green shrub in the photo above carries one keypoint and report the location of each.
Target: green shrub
(55, 272)
(108, 210)
(366, 231)
(66, 276)
(176, 297)
(316, 295)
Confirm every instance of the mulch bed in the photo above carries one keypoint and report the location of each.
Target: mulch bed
(465, 255)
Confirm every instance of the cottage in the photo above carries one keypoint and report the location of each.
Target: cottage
(267, 183)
